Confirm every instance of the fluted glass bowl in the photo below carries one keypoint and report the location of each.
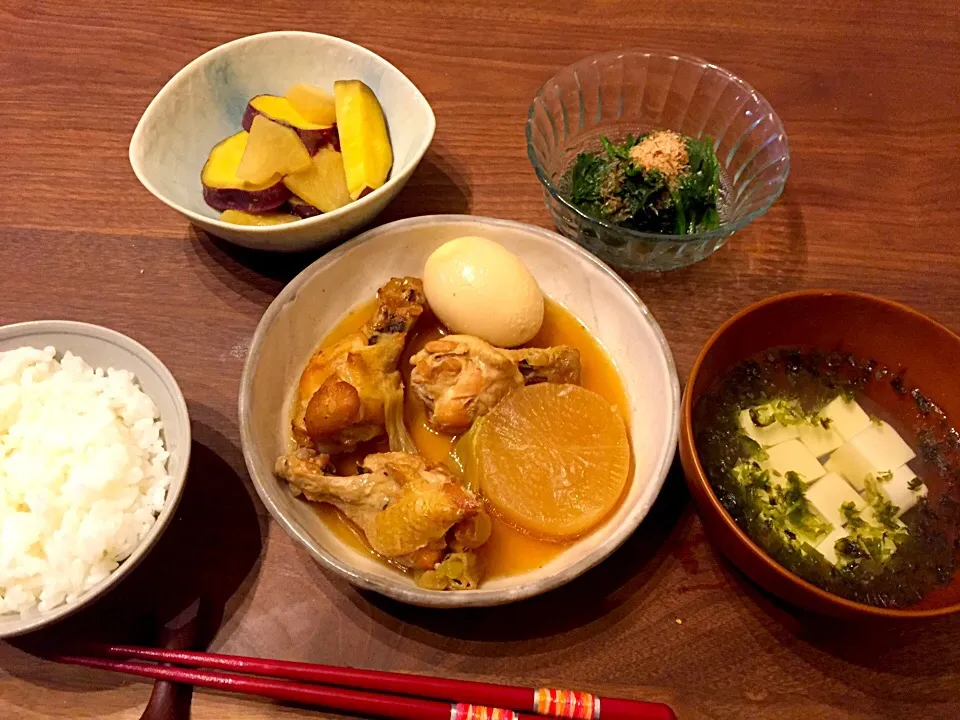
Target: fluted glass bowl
(635, 91)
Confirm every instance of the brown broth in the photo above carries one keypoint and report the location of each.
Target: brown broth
(509, 551)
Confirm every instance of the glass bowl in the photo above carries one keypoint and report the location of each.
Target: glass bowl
(635, 91)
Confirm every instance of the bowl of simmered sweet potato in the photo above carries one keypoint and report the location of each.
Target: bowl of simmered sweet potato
(282, 141)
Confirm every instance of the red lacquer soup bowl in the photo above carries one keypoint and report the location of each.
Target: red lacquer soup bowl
(925, 353)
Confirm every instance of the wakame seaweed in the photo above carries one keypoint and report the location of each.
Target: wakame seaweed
(660, 182)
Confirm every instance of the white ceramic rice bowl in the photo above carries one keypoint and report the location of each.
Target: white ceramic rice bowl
(101, 347)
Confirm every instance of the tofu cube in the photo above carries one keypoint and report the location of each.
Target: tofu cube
(827, 546)
(897, 489)
(878, 449)
(846, 417)
(818, 439)
(850, 463)
(768, 435)
(830, 492)
(792, 456)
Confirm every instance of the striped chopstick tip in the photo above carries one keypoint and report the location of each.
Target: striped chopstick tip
(566, 704)
(466, 711)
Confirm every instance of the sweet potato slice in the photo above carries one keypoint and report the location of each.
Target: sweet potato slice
(300, 207)
(313, 103)
(239, 217)
(223, 190)
(279, 109)
(362, 128)
(324, 184)
(272, 149)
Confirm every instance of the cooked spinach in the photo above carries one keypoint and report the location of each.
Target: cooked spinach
(616, 185)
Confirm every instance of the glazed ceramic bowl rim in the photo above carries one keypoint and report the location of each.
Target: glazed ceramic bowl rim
(726, 228)
(177, 483)
(172, 85)
(728, 521)
(480, 597)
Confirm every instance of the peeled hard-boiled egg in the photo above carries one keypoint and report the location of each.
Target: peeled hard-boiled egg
(477, 287)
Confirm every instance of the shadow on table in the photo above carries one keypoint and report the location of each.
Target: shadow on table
(436, 187)
(598, 598)
(208, 551)
(763, 259)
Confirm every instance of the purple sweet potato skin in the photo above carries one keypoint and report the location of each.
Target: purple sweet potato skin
(248, 200)
(313, 140)
(301, 208)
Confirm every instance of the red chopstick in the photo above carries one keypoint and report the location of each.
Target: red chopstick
(557, 703)
(339, 699)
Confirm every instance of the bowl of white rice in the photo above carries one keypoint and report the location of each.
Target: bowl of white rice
(94, 448)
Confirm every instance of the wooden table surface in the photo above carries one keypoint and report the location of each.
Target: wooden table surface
(868, 93)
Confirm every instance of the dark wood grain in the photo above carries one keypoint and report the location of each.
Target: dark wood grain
(868, 93)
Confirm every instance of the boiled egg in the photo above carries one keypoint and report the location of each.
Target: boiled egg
(477, 287)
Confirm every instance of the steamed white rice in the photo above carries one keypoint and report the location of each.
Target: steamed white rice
(82, 476)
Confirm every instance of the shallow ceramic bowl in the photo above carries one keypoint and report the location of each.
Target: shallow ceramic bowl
(864, 325)
(311, 305)
(204, 103)
(105, 348)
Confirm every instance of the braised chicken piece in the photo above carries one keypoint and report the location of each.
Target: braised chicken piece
(461, 377)
(349, 392)
(414, 514)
